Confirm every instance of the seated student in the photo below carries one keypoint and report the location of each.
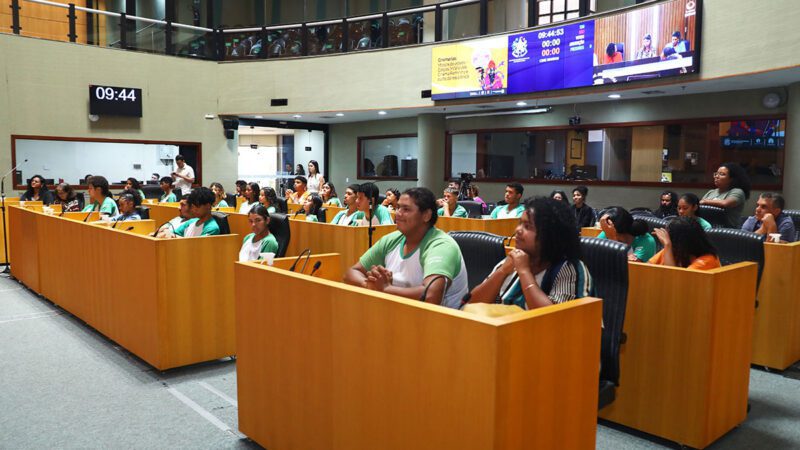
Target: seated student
(166, 185)
(240, 187)
(390, 202)
(450, 206)
(685, 245)
(414, 257)
(251, 193)
(100, 198)
(219, 195)
(69, 200)
(584, 214)
(474, 193)
(732, 190)
(687, 207)
(560, 196)
(268, 199)
(668, 205)
(37, 191)
(367, 198)
(512, 208)
(300, 192)
(351, 216)
(202, 223)
(168, 229)
(127, 207)
(132, 184)
(260, 240)
(311, 208)
(769, 218)
(545, 267)
(618, 225)
(329, 195)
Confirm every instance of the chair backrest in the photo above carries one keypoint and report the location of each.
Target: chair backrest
(222, 222)
(474, 209)
(735, 246)
(715, 216)
(144, 212)
(152, 191)
(279, 226)
(794, 214)
(178, 193)
(653, 222)
(282, 207)
(481, 251)
(641, 211)
(607, 262)
(230, 199)
(321, 215)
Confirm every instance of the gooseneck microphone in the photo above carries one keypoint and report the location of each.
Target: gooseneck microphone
(430, 283)
(294, 265)
(316, 267)
(129, 228)
(87, 216)
(160, 226)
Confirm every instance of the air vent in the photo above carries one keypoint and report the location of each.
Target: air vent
(426, 93)
(656, 92)
(279, 102)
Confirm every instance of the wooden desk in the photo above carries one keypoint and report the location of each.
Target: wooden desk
(501, 227)
(776, 330)
(591, 231)
(685, 368)
(330, 269)
(179, 310)
(143, 227)
(348, 368)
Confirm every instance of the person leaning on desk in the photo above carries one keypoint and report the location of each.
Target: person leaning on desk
(202, 223)
(100, 198)
(127, 207)
(415, 257)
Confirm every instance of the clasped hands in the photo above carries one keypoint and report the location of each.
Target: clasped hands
(378, 278)
(516, 261)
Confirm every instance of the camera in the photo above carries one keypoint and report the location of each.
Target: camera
(574, 121)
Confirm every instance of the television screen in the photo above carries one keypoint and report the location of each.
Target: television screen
(640, 44)
(746, 134)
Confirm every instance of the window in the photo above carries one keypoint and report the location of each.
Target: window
(392, 157)
(685, 153)
(551, 11)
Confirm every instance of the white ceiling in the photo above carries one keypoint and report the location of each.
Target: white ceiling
(777, 78)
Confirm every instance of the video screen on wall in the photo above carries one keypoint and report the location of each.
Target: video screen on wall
(644, 43)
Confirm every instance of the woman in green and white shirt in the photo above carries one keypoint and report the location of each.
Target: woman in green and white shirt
(100, 198)
(329, 195)
(219, 195)
(311, 207)
(351, 215)
(260, 240)
(268, 199)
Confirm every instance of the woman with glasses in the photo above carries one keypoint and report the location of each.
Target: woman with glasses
(732, 189)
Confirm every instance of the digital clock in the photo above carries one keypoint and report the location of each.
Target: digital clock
(115, 101)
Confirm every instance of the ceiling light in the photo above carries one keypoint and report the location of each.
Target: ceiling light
(381, 113)
(259, 117)
(544, 109)
(522, 104)
(297, 116)
(615, 96)
(339, 114)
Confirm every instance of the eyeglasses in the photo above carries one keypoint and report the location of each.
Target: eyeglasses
(720, 174)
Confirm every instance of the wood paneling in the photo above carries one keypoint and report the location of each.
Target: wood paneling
(501, 227)
(342, 362)
(646, 153)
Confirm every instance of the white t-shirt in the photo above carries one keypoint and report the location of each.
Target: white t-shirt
(250, 250)
(182, 184)
(313, 183)
(194, 230)
(245, 208)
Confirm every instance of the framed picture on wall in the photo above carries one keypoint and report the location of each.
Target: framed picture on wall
(576, 149)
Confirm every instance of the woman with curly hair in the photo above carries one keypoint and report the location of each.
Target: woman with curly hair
(545, 268)
(268, 198)
(685, 245)
(732, 190)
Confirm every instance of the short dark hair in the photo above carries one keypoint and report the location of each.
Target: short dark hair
(517, 187)
(425, 201)
(167, 180)
(676, 34)
(71, 194)
(611, 48)
(301, 178)
(777, 199)
(689, 241)
(261, 211)
(370, 190)
(562, 194)
(582, 189)
(130, 196)
(452, 191)
(624, 222)
(99, 181)
(691, 199)
(255, 188)
(316, 204)
(356, 188)
(201, 196)
(556, 229)
(134, 183)
(179, 157)
(241, 183)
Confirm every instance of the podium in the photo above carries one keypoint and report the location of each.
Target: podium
(324, 365)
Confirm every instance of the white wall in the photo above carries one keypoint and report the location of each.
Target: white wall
(465, 148)
(72, 160)
(313, 139)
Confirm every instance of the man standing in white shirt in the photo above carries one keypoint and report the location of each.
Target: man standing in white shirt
(183, 175)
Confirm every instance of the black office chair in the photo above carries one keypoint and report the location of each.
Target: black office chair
(151, 191)
(474, 209)
(641, 211)
(282, 207)
(653, 222)
(795, 215)
(381, 198)
(481, 251)
(81, 200)
(178, 193)
(222, 222)
(735, 246)
(230, 199)
(715, 216)
(279, 226)
(144, 212)
(607, 262)
(321, 215)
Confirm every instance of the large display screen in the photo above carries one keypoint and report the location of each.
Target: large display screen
(640, 44)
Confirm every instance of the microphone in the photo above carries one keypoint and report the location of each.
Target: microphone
(87, 216)
(291, 269)
(116, 222)
(13, 169)
(303, 270)
(425, 292)
(129, 228)
(316, 267)
(160, 226)
(507, 240)
(465, 299)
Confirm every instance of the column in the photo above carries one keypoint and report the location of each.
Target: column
(791, 166)
(431, 138)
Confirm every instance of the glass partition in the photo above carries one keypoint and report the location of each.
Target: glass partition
(365, 34)
(325, 39)
(147, 37)
(325, 10)
(388, 157)
(461, 21)
(194, 43)
(405, 29)
(243, 45)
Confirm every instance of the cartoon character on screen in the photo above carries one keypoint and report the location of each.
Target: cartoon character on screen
(493, 78)
(480, 61)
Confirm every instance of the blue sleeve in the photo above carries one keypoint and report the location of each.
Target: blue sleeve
(749, 224)
(787, 230)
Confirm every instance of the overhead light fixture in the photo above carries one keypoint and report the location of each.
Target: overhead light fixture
(615, 96)
(339, 114)
(381, 113)
(522, 104)
(259, 117)
(544, 109)
(297, 116)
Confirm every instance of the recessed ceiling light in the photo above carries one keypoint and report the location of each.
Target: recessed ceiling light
(522, 104)
(381, 113)
(297, 116)
(339, 114)
(614, 96)
(259, 117)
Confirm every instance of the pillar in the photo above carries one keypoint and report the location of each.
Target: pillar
(791, 166)
(431, 139)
